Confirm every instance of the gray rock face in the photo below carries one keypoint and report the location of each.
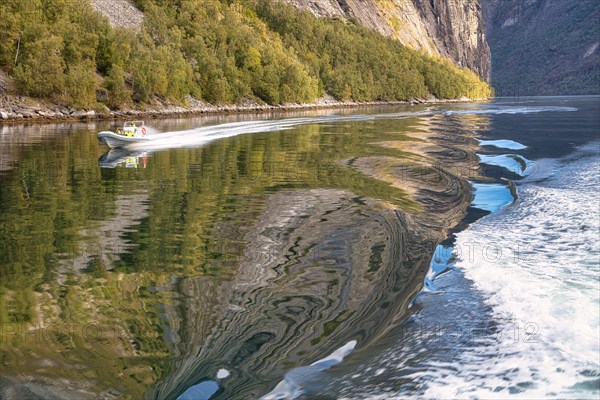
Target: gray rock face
(79, 114)
(457, 29)
(120, 13)
(453, 29)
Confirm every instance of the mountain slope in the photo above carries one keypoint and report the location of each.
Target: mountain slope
(544, 47)
(217, 51)
(452, 29)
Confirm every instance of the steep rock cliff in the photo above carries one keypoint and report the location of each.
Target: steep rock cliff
(544, 47)
(453, 29)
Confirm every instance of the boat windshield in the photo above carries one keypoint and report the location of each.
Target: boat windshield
(131, 124)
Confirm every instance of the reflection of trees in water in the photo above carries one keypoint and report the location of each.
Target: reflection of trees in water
(231, 259)
(304, 284)
(320, 268)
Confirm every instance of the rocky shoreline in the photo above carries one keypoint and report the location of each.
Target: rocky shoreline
(20, 109)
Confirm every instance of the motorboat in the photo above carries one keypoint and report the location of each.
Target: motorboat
(132, 132)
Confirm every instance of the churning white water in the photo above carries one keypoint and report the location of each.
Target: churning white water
(537, 263)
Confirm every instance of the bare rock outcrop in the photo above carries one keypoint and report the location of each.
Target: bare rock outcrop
(4, 85)
(120, 13)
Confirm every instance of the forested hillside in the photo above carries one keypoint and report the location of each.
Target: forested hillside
(453, 29)
(218, 51)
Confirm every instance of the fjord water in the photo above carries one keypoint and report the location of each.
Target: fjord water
(516, 315)
(260, 255)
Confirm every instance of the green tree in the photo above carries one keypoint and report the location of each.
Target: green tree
(41, 71)
(221, 51)
(80, 88)
(118, 92)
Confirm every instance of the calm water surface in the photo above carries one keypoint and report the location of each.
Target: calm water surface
(269, 255)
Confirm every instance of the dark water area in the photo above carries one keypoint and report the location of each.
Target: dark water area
(245, 256)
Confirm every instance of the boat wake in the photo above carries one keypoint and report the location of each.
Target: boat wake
(203, 135)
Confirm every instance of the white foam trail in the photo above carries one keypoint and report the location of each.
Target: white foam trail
(542, 275)
(290, 387)
(498, 109)
(502, 144)
(536, 264)
(203, 135)
(222, 373)
(513, 162)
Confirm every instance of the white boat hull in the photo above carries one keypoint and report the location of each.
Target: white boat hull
(115, 141)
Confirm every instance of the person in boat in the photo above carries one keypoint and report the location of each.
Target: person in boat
(131, 132)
